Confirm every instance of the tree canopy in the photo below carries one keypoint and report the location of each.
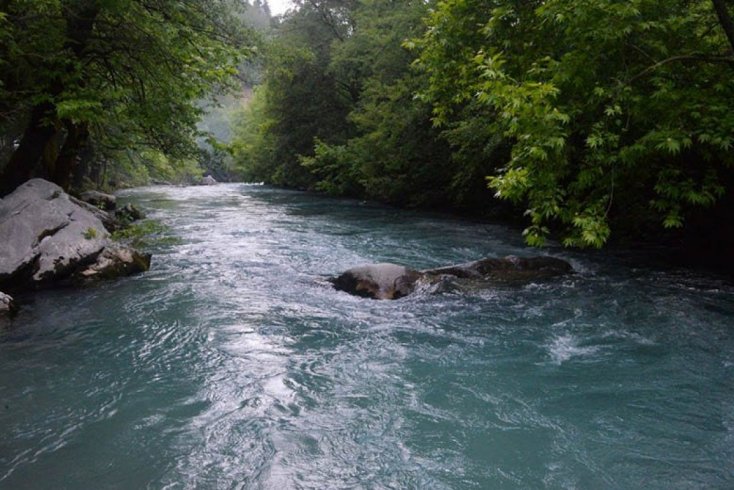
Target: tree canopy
(606, 105)
(586, 119)
(118, 74)
(591, 116)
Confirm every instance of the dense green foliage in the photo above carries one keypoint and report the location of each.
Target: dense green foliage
(608, 106)
(338, 111)
(143, 167)
(591, 115)
(109, 77)
(301, 101)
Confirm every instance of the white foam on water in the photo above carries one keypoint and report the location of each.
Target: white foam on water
(630, 336)
(566, 347)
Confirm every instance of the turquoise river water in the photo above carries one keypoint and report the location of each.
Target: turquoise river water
(231, 364)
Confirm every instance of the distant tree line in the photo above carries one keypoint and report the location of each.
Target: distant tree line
(587, 117)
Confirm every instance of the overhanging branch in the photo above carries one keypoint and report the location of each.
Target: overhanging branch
(687, 57)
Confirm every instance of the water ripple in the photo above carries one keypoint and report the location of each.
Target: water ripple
(232, 364)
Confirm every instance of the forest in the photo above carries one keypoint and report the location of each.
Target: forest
(587, 122)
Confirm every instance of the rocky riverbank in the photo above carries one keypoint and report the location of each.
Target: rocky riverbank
(49, 238)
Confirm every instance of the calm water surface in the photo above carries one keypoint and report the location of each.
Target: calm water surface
(231, 365)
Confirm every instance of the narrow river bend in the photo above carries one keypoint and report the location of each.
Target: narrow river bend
(231, 365)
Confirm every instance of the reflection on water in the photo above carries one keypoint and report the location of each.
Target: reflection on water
(232, 365)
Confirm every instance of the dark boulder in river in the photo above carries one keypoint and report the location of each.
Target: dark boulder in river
(378, 281)
(392, 281)
(47, 237)
(510, 268)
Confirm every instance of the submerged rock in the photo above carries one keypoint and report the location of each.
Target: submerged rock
(377, 281)
(46, 236)
(509, 268)
(106, 202)
(129, 213)
(392, 281)
(114, 261)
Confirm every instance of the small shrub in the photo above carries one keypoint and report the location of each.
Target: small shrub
(144, 234)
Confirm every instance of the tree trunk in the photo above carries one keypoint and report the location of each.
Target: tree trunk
(725, 20)
(84, 167)
(24, 159)
(80, 18)
(75, 142)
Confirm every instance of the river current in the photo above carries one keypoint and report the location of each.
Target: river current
(231, 364)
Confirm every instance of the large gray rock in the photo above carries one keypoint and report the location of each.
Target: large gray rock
(45, 236)
(110, 221)
(391, 281)
(377, 281)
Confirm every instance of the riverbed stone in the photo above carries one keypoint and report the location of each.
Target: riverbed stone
(45, 236)
(392, 281)
(106, 202)
(208, 180)
(377, 281)
(114, 261)
(510, 268)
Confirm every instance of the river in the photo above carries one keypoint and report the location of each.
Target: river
(231, 364)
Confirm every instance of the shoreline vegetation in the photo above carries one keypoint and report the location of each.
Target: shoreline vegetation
(584, 123)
